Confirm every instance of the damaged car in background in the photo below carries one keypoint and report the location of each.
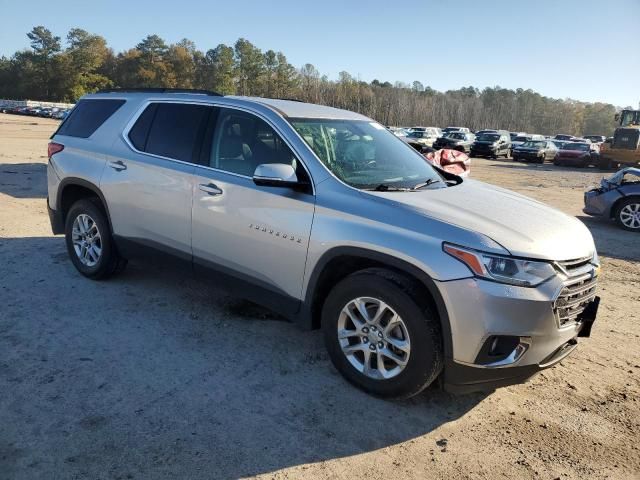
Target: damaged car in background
(618, 198)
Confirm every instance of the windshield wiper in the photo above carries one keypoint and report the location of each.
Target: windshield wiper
(430, 181)
(385, 187)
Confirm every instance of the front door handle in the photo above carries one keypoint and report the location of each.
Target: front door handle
(210, 188)
(118, 166)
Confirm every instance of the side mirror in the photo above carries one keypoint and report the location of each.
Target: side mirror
(616, 117)
(275, 175)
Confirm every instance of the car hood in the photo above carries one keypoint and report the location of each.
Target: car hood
(523, 226)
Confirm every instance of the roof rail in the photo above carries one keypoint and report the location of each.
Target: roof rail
(160, 90)
(288, 99)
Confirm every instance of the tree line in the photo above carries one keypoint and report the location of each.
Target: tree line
(53, 70)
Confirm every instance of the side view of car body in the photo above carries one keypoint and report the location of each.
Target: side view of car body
(577, 154)
(455, 140)
(618, 198)
(491, 145)
(535, 151)
(412, 273)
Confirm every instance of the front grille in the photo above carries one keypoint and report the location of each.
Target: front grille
(578, 291)
(573, 266)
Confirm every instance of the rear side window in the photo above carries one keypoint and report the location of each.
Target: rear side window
(174, 132)
(87, 116)
(140, 131)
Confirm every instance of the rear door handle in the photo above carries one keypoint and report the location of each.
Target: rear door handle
(118, 166)
(210, 188)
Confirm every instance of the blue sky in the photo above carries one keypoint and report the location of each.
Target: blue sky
(586, 50)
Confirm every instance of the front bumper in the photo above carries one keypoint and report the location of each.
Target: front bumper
(481, 150)
(480, 311)
(517, 155)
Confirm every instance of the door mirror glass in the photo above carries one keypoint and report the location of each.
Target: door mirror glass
(275, 175)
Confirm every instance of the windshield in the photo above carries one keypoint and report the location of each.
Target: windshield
(534, 144)
(488, 137)
(521, 139)
(365, 155)
(417, 135)
(630, 117)
(576, 146)
(455, 135)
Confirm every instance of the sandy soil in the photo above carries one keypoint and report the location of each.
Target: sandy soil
(156, 375)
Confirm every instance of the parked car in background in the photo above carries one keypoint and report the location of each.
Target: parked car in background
(398, 131)
(596, 138)
(535, 151)
(576, 154)
(455, 140)
(426, 136)
(61, 114)
(480, 132)
(564, 137)
(516, 134)
(455, 129)
(618, 198)
(520, 139)
(559, 143)
(491, 145)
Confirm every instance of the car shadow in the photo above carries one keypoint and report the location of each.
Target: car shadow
(23, 180)
(173, 378)
(611, 240)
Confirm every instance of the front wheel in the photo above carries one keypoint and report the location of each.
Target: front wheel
(89, 242)
(380, 335)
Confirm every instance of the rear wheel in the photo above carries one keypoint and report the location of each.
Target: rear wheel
(380, 336)
(89, 241)
(627, 214)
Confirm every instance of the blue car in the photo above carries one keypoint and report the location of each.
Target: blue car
(618, 198)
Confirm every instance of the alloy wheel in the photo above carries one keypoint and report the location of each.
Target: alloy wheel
(630, 215)
(86, 240)
(374, 338)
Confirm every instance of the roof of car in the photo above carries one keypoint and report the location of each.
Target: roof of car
(288, 108)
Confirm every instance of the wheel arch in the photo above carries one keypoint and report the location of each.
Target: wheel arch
(614, 207)
(72, 189)
(339, 262)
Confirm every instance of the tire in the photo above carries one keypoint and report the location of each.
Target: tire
(420, 326)
(624, 214)
(90, 216)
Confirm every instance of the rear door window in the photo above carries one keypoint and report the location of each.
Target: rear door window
(87, 116)
(175, 130)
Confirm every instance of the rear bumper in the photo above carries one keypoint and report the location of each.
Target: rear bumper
(55, 218)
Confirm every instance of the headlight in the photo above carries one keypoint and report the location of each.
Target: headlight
(500, 268)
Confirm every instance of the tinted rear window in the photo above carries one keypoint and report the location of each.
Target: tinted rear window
(87, 116)
(174, 130)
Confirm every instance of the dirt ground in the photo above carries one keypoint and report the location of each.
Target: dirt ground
(156, 375)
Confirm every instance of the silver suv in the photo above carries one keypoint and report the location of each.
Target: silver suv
(326, 217)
